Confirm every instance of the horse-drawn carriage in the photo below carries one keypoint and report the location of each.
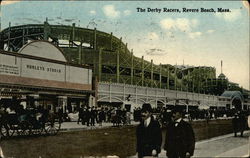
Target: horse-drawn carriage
(29, 122)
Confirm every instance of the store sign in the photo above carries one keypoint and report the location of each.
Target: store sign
(9, 69)
(9, 65)
(39, 69)
(42, 70)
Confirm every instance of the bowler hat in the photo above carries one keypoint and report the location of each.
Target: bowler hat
(177, 109)
(146, 107)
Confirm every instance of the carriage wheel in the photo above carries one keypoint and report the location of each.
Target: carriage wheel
(52, 128)
(11, 130)
(4, 131)
(25, 128)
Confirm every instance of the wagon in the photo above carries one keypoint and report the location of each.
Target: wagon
(29, 123)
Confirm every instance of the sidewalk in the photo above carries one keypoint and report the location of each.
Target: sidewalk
(73, 126)
(224, 146)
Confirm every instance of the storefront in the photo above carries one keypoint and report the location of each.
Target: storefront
(40, 75)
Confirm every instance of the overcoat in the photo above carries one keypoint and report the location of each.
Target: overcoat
(180, 139)
(148, 138)
(239, 122)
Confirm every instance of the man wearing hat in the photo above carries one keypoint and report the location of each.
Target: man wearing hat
(180, 140)
(148, 134)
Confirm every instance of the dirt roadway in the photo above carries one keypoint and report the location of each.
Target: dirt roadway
(98, 142)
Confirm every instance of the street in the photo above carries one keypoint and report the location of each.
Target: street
(76, 140)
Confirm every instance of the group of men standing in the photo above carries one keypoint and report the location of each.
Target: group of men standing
(239, 123)
(179, 139)
(90, 116)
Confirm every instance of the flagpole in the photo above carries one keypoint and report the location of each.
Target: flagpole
(221, 62)
(175, 78)
(168, 78)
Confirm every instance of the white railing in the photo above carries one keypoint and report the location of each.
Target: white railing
(115, 92)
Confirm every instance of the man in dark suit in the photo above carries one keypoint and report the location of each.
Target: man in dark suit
(239, 123)
(148, 134)
(180, 140)
(80, 115)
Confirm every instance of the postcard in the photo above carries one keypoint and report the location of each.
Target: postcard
(77, 77)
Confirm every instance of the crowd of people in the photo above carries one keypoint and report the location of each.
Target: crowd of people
(163, 114)
(92, 116)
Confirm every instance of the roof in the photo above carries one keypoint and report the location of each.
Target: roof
(222, 76)
(233, 94)
(43, 49)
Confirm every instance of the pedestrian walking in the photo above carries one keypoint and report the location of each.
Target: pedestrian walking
(80, 115)
(92, 116)
(60, 115)
(128, 115)
(101, 116)
(148, 134)
(84, 115)
(96, 114)
(88, 115)
(239, 123)
(180, 139)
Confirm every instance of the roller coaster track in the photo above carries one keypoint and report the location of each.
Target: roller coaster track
(109, 56)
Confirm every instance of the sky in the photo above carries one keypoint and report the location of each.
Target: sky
(193, 38)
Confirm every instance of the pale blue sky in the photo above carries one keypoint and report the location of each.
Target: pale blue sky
(195, 38)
